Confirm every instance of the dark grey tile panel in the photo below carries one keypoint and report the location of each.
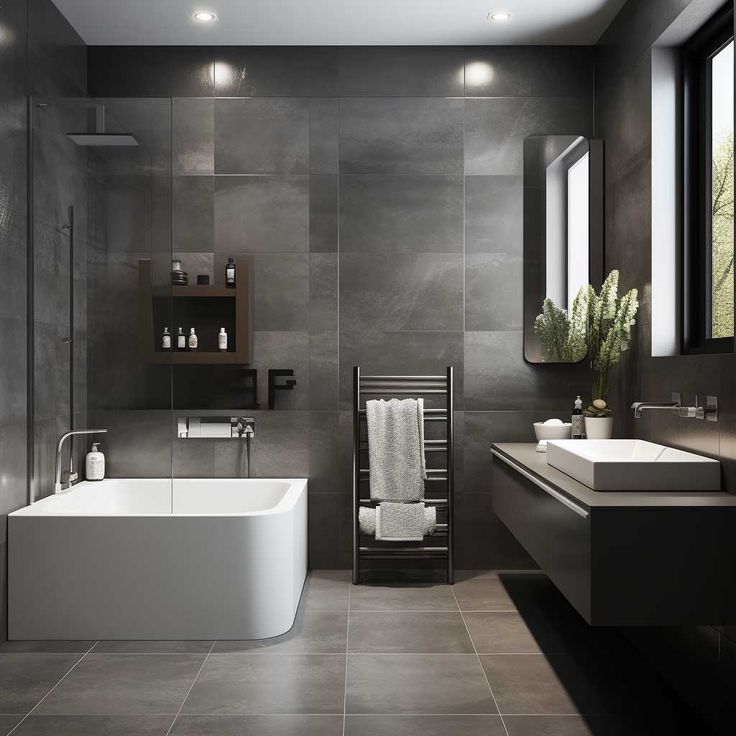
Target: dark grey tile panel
(494, 220)
(380, 214)
(277, 71)
(529, 71)
(413, 71)
(13, 61)
(135, 684)
(262, 683)
(117, 725)
(330, 530)
(26, 678)
(325, 590)
(324, 126)
(323, 370)
(152, 647)
(263, 214)
(416, 725)
(12, 163)
(570, 725)
(495, 128)
(8, 723)
(261, 136)
(401, 136)
(402, 597)
(193, 215)
(17, 12)
(193, 136)
(281, 300)
(258, 725)
(493, 291)
(150, 71)
(283, 349)
(13, 263)
(13, 371)
(417, 683)
(404, 292)
(323, 448)
(323, 213)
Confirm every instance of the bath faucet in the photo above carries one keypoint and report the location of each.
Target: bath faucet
(709, 412)
(70, 476)
(246, 427)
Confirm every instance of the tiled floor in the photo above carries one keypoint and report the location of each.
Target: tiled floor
(492, 656)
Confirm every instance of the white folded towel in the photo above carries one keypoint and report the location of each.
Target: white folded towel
(396, 449)
(391, 521)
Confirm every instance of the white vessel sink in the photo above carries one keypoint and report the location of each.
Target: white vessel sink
(633, 465)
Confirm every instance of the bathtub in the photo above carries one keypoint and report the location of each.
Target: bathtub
(156, 559)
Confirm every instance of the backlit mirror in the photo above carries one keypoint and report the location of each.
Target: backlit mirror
(562, 236)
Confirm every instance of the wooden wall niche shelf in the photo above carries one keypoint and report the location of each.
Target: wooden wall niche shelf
(207, 308)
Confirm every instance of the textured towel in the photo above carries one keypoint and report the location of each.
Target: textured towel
(367, 519)
(396, 449)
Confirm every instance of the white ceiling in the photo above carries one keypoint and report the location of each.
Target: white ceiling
(339, 22)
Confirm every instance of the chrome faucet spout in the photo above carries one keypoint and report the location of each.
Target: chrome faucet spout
(58, 486)
(640, 406)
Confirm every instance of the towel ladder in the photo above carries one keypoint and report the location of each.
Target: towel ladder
(411, 386)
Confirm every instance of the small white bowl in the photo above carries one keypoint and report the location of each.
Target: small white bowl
(552, 431)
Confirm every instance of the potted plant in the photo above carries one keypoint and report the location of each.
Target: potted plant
(610, 319)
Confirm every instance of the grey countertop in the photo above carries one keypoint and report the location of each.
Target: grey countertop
(525, 455)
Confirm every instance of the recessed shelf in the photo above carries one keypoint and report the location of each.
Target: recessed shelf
(196, 358)
(193, 291)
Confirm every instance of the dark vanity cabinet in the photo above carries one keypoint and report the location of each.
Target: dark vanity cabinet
(621, 558)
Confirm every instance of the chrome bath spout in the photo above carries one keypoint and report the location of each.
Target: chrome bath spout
(71, 475)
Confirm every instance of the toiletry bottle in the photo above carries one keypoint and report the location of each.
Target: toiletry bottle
(193, 339)
(166, 339)
(577, 430)
(94, 463)
(181, 340)
(222, 340)
(230, 273)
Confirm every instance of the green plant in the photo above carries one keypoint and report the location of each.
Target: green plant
(563, 337)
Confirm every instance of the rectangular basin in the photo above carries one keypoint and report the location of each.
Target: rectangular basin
(633, 465)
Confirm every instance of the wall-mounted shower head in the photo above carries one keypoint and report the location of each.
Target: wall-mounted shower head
(100, 137)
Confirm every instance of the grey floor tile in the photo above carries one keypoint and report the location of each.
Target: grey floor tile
(26, 678)
(326, 590)
(313, 632)
(484, 725)
(416, 633)
(52, 646)
(402, 597)
(563, 726)
(509, 633)
(262, 683)
(116, 725)
(548, 684)
(125, 684)
(482, 592)
(417, 683)
(8, 723)
(152, 647)
(274, 725)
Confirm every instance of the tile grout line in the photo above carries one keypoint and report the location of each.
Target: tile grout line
(480, 664)
(347, 651)
(61, 679)
(191, 687)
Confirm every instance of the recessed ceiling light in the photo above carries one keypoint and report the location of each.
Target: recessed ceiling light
(204, 16)
(499, 16)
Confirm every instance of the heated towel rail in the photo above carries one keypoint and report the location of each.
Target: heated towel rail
(439, 485)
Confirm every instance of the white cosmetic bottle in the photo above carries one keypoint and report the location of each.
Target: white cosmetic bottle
(222, 340)
(193, 341)
(94, 463)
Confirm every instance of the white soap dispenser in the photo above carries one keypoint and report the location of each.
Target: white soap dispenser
(222, 340)
(94, 463)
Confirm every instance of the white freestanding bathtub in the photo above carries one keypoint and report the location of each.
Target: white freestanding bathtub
(156, 559)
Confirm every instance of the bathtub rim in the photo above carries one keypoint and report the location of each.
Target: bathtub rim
(297, 486)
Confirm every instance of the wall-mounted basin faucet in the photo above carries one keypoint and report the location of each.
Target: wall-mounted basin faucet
(69, 476)
(709, 411)
(246, 427)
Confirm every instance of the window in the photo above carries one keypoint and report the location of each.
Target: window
(708, 190)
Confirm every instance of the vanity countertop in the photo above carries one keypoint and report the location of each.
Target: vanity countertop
(524, 455)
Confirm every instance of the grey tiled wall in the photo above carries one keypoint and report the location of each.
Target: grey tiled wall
(378, 191)
(700, 661)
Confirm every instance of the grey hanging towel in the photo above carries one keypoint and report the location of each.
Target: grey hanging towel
(396, 449)
(403, 522)
(367, 518)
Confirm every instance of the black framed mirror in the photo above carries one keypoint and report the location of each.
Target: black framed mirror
(563, 237)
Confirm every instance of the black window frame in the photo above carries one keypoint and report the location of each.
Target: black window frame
(696, 184)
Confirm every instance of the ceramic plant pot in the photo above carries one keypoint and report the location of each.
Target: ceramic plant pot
(599, 428)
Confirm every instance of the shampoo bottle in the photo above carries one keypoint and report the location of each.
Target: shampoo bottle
(94, 463)
(193, 341)
(577, 430)
(166, 339)
(222, 339)
(181, 340)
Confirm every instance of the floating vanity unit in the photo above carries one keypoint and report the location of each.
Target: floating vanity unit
(621, 558)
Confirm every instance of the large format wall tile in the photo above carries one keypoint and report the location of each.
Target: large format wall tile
(193, 214)
(493, 299)
(394, 213)
(401, 136)
(281, 297)
(404, 292)
(261, 214)
(494, 219)
(495, 128)
(323, 213)
(193, 136)
(258, 136)
(324, 133)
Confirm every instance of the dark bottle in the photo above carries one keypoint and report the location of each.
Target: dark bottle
(577, 429)
(181, 340)
(230, 273)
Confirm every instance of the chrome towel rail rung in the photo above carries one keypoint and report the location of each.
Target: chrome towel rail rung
(430, 412)
(402, 391)
(436, 501)
(430, 471)
(403, 378)
(408, 551)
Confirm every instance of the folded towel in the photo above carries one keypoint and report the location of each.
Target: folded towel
(367, 519)
(396, 449)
